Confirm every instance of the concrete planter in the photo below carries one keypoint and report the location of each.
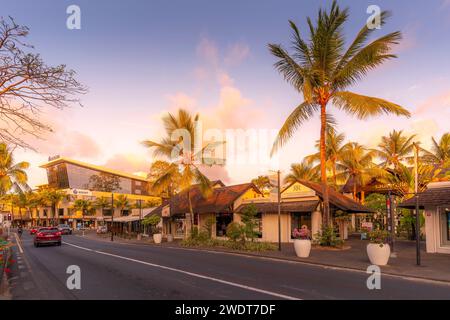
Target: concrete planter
(378, 254)
(302, 248)
(157, 237)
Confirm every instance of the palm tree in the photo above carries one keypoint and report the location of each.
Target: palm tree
(101, 203)
(334, 146)
(82, 205)
(395, 149)
(356, 163)
(440, 151)
(121, 202)
(322, 69)
(183, 156)
(262, 183)
(157, 169)
(53, 197)
(302, 171)
(11, 173)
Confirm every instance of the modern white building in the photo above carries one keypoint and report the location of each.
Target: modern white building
(436, 203)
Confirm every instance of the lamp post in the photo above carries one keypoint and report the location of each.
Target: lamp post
(140, 219)
(416, 190)
(112, 216)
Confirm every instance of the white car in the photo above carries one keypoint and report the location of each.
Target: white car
(102, 229)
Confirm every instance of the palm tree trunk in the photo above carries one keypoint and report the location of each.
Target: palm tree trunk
(334, 173)
(323, 170)
(191, 211)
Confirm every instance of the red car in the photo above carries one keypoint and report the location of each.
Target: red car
(50, 235)
(33, 230)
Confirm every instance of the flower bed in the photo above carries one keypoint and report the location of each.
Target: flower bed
(227, 244)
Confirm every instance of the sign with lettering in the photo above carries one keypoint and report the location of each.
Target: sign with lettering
(79, 192)
(298, 190)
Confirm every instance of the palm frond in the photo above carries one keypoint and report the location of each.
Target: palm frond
(364, 107)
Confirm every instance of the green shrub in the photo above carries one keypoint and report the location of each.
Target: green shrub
(327, 238)
(234, 231)
(209, 224)
(250, 222)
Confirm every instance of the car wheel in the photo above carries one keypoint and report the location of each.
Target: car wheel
(59, 243)
(36, 245)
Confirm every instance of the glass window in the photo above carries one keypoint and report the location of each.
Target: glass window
(298, 219)
(445, 227)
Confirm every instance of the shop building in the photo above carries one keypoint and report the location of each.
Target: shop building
(435, 201)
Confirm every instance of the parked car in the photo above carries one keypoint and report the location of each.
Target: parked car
(65, 229)
(102, 229)
(49, 235)
(34, 229)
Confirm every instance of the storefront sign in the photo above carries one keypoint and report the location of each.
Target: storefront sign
(80, 192)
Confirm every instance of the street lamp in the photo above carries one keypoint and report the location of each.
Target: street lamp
(112, 216)
(278, 172)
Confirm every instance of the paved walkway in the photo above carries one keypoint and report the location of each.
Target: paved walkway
(433, 267)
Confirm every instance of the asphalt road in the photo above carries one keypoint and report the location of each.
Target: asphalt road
(129, 271)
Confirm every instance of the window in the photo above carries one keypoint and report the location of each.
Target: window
(259, 225)
(298, 219)
(445, 226)
(61, 211)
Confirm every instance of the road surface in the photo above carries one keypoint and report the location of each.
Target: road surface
(134, 271)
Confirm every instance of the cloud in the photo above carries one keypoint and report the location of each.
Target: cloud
(440, 101)
(66, 142)
(208, 51)
(130, 163)
(236, 53)
(216, 173)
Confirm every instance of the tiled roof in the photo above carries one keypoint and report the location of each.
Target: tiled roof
(337, 199)
(432, 197)
(292, 206)
(220, 201)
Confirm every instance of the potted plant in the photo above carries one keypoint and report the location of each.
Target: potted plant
(153, 222)
(302, 241)
(378, 250)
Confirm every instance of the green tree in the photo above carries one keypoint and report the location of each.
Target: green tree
(440, 152)
(102, 203)
(104, 182)
(11, 173)
(322, 70)
(121, 202)
(395, 149)
(82, 205)
(249, 218)
(157, 169)
(263, 184)
(302, 171)
(53, 197)
(183, 156)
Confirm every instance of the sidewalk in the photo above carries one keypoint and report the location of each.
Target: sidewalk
(433, 266)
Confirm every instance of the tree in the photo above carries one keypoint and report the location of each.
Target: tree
(11, 173)
(82, 205)
(440, 151)
(334, 145)
(53, 197)
(302, 171)
(263, 184)
(357, 164)
(104, 182)
(121, 202)
(179, 146)
(102, 203)
(157, 169)
(322, 70)
(395, 149)
(27, 84)
(249, 219)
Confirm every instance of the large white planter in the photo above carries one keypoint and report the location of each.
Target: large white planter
(378, 255)
(302, 248)
(157, 237)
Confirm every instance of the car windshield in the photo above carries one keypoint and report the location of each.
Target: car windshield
(48, 230)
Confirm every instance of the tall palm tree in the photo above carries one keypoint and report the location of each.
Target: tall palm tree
(184, 157)
(53, 197)
(323, 69)
(121, 202)
(11, 173)
(102, 203)
(440, 151)
(395, 149)
(356, 163)
(82, 205)
(262, 183)
(334, 146)
(302, 171)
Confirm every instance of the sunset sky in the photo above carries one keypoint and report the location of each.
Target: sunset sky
(141, 59)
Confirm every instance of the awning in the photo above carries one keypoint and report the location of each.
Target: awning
(123, 219)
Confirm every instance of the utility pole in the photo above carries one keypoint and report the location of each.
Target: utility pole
(391, 221)
(416, 191)
(112, 216)
(140, 219)
(279, 211)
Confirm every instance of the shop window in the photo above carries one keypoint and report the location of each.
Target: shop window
(298, 219)
(61, 211)
(222, 222)
(196, 217)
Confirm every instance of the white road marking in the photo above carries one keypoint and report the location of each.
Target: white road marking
(18, 242)
(234, 284)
